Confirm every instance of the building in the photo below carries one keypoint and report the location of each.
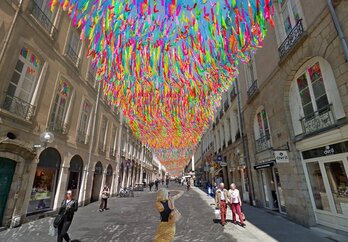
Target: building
(48, 84)
(290, 154)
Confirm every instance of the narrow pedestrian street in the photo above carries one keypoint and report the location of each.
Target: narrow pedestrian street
(135, 219)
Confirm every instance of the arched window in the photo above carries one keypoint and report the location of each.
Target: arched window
(75, 175)
(262, 130)
(314, 100)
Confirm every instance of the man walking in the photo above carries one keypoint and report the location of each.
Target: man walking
(156, 184)
(221, 198)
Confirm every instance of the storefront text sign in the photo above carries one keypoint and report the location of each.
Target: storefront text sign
(281, 156)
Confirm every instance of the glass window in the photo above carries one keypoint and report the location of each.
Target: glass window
(102, 136)
(263, 124)
(84, 121)
(42, 193)
(318, 188)
(339, 185)
(312, 91)
(60, 105)
(46, 9)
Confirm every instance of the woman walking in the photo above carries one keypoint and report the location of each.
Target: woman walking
(104, 199)
(165, 206)
(236, 204)
(68, 208)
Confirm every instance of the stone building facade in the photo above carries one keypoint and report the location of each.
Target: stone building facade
(293, 108)
(48, 87)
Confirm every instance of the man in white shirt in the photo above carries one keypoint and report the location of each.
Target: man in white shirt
(236, 203)
(221, 199)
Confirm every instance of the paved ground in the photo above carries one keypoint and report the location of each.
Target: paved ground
(135, 219)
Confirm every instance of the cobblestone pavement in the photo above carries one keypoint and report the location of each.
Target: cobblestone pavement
(135, 219)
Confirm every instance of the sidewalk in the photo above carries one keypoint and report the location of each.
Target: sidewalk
(263, 225)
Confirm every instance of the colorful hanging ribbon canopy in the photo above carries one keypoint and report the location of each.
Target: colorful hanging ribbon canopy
(166, 63)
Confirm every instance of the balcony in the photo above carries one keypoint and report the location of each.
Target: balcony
(59, 126)
(263, 143)
(253, 90)
(19, 107)
(81, 136)
(226, 105)
(43, 19)
(91, 77)
(73, 56)
(292, 39)
(319, 120)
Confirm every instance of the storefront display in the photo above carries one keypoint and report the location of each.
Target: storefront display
(326, 172)
(45, 182)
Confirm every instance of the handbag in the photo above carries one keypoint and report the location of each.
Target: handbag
(217, 213)
(58, 220)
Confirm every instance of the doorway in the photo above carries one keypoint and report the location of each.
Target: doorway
(75, 175)
(97, 181)
(7, 169)
(272, 190)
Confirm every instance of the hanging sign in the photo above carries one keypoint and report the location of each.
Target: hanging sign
(281, 156)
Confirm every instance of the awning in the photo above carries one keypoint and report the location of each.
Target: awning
(263, 165)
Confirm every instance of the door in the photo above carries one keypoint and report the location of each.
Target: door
(279, 191)
(7, 168)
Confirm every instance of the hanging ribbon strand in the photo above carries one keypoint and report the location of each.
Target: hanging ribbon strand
(166, 63)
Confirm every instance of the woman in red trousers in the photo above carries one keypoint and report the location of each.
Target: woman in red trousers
(236, 203)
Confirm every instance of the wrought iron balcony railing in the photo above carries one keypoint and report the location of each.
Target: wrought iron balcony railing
(82, 136)
(253, 90)
(263, 143)
(292, 39)
(18, 107)
(43, 19)
(319, 120)
(58, 125)
(70, 52)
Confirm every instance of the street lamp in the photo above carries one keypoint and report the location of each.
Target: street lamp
(45, 138)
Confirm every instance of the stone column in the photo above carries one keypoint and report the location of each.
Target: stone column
(62, 183)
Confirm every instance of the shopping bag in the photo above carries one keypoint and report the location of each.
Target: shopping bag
(217, 213)
(52, 230)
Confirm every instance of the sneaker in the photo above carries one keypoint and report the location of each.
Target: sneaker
(243, 225)
(100, 210)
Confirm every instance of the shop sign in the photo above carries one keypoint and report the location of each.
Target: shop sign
(281, 156)
(327, 150)
(264, 165)
(223, 163)
(219, 159)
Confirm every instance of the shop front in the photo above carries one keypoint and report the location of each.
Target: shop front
(97, 181)
(45, 182)
(270, 186)
(75, 175)
(326, 170)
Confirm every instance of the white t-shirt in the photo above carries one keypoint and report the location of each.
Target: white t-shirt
(222, 194)
(234, 195)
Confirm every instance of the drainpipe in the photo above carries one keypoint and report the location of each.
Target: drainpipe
(245, 148)
(91, 144)
(338, 28)
(8, 36)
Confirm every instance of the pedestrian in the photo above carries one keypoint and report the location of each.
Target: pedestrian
(188, 184)
(221, 199)
(104, 199)
(150, 185)
(156, 184)
(66, 213)
(167, 182)
(274, 194)
(236, 204)
(165, 206)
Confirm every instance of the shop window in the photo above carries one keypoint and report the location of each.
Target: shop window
(315, 103)
(339, 185)
(318, 189)
(45, 181)
(19, 95)
(60, 107)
